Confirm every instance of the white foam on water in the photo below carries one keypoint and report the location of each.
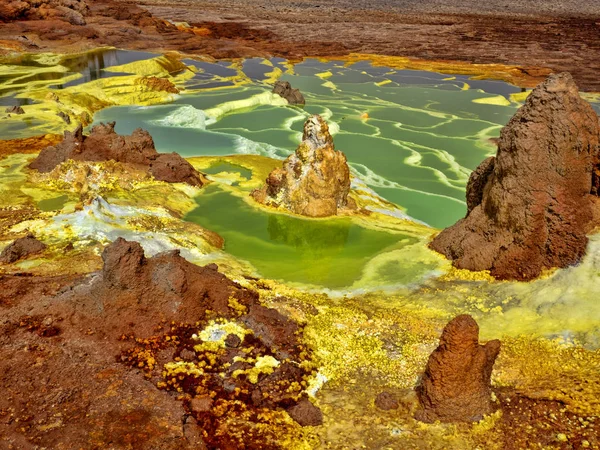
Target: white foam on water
(246, 146)
(185, 116)
(104, 222)
(264, 98)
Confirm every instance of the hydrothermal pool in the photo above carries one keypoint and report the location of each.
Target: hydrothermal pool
(412, 136)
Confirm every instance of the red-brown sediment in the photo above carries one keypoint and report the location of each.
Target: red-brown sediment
(456, 384)
(28, 145)
(82, 358)
(530, 208)
(519, 48)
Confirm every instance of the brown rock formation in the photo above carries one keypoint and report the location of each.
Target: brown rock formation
(172, 168)
(14, 110)
(314, 181)
(285, 90)
(159, 84)
(387, 401)
(104, 144)
(530, 207)
(22, 248)
(98, 349)
(456, 384)
(306, 414)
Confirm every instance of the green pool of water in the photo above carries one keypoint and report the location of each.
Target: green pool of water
(412, 136)
(330, 253)
(220, 167)
(53, 204)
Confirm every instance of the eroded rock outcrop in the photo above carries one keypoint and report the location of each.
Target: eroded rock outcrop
(530, 207)
(456, 384)
(314, 181)
(14, 110)
(22, 248)
(293, 96)
(250, 347)
(104, 144)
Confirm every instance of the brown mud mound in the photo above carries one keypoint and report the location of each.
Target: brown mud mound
(314, 181)
(293, 96)
(530, 207)
(147, 353)
(456, 384)
(104, 144)
(22, 248)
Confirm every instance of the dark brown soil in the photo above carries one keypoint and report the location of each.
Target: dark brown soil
(529, 423)
(555, 35)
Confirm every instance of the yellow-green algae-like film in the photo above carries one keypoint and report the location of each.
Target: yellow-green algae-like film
(369, 335)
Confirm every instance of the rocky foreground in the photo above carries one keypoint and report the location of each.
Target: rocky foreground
(157, 353)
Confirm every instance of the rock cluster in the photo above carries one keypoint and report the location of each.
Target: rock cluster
(14, 110)
(530, 207)
(72, 11)
(22, 248)
(456, 384)
(104, 144)
(314, 181)
(285, 90)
